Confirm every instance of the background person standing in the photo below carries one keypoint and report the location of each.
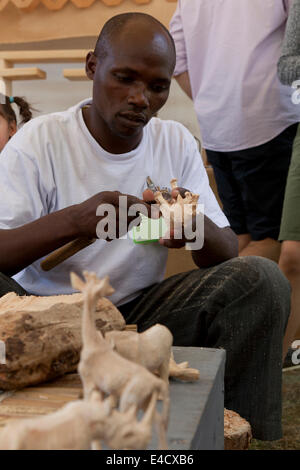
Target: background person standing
(289, 71)
(227, 53)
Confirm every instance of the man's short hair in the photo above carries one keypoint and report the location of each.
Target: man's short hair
(115, 25)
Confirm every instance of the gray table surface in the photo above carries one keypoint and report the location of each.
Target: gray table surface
(197, 408)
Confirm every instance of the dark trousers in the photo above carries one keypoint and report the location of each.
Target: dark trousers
(241, 305)
(251, 184)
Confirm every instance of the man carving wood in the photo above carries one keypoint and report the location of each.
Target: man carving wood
(59, 169)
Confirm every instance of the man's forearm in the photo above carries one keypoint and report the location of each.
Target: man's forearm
(21, 246)
(220, 244)
(184, 82)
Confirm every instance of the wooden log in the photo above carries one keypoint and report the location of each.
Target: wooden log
(42, 336)
(237, 431)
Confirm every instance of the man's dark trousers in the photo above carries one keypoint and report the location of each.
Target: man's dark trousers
(242, 306)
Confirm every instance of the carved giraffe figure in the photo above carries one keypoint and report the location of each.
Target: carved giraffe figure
(103, 369)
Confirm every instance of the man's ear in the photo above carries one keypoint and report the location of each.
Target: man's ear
(90, 65)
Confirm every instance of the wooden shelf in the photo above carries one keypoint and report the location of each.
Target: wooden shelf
(75, 74)
(31, 73)
(55, 56)
(9, 58)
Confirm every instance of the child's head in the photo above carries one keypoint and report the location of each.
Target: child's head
(8, 118)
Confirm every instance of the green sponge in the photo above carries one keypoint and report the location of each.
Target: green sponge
(149, 230)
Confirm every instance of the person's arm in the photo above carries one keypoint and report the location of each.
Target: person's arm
(183, 81)
(289, 62)
(220, 244)
(21, 246)
(181, 73)
(31, 222)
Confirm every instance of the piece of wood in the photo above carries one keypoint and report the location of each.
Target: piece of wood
(16, 403)
(44, 56)
(42, 336)
(75, 74)
(5, 84)
(65, 252)
(72, 427)
(30, 73)
(177, 212)
(76, 425)
(131, 327)
(237, 431)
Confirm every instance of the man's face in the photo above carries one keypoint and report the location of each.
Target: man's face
(131, 84)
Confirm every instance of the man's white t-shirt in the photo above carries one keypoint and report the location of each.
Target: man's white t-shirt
(54, 162)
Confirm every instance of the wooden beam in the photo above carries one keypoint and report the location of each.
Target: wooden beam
(32, 73)
(5, 85)
(55, 56)
(75, 74)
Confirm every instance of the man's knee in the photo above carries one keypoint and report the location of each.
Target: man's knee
(266, 281)
(242, 274)
(261, 271)
(255, 274)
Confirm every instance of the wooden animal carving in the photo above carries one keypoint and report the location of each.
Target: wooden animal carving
(177, 212)
(79, 424)
(72, 427)
(101, 368)
(182, 371)
(123, 431)
(151, 349)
